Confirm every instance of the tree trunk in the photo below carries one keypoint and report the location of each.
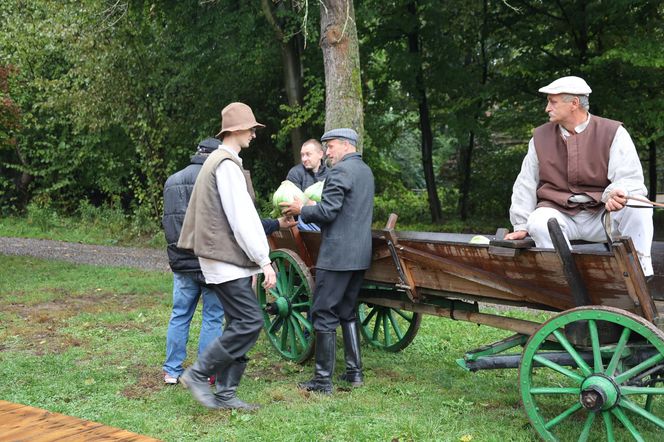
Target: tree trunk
(425, 123)
(652, 171)
(341, 58)
(293, 78)
(465, 162)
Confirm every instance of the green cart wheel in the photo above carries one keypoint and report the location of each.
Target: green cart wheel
(387, 328)
(610, 391)
(286, 307)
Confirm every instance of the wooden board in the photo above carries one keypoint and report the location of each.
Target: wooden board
(24, 423)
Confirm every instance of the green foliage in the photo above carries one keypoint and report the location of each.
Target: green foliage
(101, 101)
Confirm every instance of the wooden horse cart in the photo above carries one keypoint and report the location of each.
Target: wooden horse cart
(592, 371)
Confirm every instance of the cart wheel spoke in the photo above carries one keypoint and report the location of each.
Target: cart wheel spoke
(594, 339)
(585, 369)
(395, 325)
(585, 433)
(365, 322)
(608, 425)
(631, 406)
(284, 336)
(302, 320)
(386, 330)
(622, 417)
(376, 329)
(641, 390)
(562, 416)
(627, 375)
(555, 390)
(559, 368)
(617, 354)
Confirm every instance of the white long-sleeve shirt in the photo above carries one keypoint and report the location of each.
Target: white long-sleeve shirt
(624, 172)
(244, 222)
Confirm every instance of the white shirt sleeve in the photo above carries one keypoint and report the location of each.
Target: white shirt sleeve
(241, 213)
(625, 170)
(524, 191)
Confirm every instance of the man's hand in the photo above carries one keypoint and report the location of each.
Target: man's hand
(519, 234)
(292, 209)
(270, 278)
(617, 200)
(286, 222)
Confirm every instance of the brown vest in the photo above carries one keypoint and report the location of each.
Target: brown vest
(577, 166)
(205, 229)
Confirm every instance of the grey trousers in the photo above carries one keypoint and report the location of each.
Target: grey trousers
(244, 318)
(335, 298)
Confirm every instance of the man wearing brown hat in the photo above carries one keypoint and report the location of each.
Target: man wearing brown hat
(224, 230)
(578, 164)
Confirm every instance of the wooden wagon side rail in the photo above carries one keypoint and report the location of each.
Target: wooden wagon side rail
(521, 326)
(482, 277)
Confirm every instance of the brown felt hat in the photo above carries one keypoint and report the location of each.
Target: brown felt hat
(237, 116)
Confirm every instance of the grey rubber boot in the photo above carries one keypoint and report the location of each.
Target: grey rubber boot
(195, 378)
(352, 354)
(326, 347)
(226, 387)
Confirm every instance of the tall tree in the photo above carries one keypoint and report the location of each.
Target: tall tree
(341, 58)
(281, 16)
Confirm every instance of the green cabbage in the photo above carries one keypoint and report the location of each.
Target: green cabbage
(314, 191)
(286, 193)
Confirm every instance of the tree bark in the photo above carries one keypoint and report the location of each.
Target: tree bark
(341, 58)
(291, 59)
(425, 123)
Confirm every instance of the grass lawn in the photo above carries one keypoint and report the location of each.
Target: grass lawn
(89, 342)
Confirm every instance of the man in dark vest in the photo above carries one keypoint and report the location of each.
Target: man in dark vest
(577, 165)
(224, 230)
(344, 216)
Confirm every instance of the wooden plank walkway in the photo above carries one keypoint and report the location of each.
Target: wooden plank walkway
(24, 423)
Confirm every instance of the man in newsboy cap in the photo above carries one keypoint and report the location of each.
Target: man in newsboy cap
(344, 215)
(577, 165)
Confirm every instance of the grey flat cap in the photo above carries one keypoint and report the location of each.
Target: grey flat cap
(344, 134)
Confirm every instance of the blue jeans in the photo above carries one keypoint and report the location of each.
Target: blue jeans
(187, 289)
(309, 227)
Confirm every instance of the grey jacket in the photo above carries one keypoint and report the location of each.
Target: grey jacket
(177, 192)
(344, 215)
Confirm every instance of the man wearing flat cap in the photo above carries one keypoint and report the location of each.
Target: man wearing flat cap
(224, 230)
(577, 165)
(344, 215)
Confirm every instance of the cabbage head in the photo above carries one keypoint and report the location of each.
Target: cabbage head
(286, 193)
(315, 191)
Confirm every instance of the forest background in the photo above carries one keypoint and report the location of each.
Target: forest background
(101, 100)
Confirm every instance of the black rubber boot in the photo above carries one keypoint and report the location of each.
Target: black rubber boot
(226, 387)
(352, 353)
(326, 347)
(195, 378)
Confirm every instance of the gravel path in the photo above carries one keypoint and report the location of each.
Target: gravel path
(147, 259)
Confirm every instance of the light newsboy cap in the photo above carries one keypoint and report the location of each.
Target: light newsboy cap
(567, 85)
(237, 116)
(342, 134)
